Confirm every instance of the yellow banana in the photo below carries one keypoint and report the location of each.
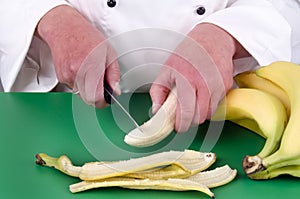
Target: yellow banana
(249, 124)
(263, 111)
(286, 75)
(249, 79)
(293, 170)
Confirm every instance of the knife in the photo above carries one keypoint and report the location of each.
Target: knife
(110, 98)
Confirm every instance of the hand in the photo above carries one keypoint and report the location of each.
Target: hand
(83, 59)
(201, 68)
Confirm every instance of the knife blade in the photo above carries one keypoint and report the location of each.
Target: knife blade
(110, 98)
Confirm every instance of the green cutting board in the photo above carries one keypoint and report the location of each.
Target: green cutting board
(60, 123)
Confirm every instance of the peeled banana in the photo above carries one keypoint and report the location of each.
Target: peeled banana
(158, 171)
(286, 159)
(158, 127)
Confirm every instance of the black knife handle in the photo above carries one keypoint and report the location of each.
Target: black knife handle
(107, 96)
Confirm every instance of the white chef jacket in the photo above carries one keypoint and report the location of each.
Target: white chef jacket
(144, 32)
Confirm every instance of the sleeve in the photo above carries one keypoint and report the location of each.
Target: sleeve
(259, 27)
(18, 20)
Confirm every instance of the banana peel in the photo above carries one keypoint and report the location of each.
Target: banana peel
(173, 170)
